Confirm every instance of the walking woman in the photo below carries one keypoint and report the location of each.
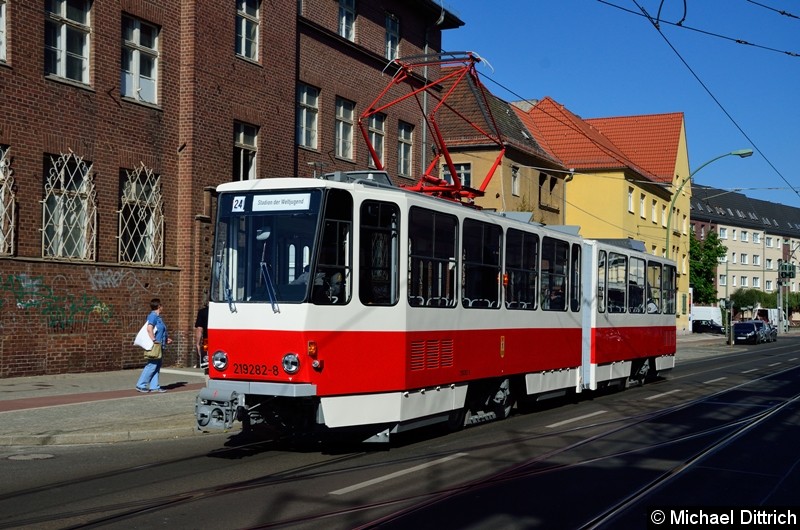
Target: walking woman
(148, 381)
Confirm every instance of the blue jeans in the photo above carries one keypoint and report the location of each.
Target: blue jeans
(150, 375)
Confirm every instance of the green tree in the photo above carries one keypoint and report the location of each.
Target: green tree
(704, 259)
(752, 298)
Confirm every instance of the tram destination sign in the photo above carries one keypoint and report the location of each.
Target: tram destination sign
(274, 203)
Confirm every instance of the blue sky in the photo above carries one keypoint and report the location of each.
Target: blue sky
(604, 58)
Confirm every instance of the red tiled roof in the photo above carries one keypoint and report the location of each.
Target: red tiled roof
(491, 115)
(651, 141)
(576, 142)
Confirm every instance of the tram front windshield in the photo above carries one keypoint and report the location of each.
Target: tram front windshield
(264, 246)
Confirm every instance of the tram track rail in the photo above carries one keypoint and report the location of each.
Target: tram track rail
(542, 464)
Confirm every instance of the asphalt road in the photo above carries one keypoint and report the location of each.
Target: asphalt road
(720, 431)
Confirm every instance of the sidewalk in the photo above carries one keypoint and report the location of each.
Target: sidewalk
(105, 407)
(97, 408)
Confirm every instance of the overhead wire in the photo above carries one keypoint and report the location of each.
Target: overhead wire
(779, 11)
(658, 22)
(713, 97)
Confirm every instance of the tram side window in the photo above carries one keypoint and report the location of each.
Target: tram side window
(522, 276)
(432, 248)
(481, 247)
(378, 253)
(617, 282)
(332, 279)
(636, 290)
(669, 288)
(653, 287)
(575, 273)
(555, 260)
(601, 281)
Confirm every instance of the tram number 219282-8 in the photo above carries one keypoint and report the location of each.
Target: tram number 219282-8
(255, 369)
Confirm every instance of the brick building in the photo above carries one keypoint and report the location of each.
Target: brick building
(119, 119)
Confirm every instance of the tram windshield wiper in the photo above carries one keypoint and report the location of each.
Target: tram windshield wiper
(222, 272)
(263, 235)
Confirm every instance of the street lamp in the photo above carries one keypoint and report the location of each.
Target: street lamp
(741, 153)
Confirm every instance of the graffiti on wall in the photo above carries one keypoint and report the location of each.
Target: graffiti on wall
(65, 307)
(61, 311)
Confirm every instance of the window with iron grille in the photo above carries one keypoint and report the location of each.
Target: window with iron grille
(141, 217)
(139, 77)
(7, 203)
(307, 112)
(247, 28)
(245, 149)
(66, 39)
(69, 208)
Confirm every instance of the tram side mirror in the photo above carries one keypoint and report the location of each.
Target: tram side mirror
(262, 234)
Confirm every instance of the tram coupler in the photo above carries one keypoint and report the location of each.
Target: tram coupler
(215, 410)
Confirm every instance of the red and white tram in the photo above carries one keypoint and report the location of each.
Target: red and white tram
(347, 303)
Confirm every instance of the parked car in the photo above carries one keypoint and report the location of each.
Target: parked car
(746, 333)
(707, 326)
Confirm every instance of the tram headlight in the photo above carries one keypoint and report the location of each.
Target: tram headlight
(220, 360)
(291, 363)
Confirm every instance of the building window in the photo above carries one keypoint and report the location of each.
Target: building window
(464, 172)
(756, 282)
(768, 242)
(744, 281)
(66, 39)
(769, 264)
(376, 133)
(654, 211)
(405, 132)
(69, 215)
(141, 217)
(723, 280)
(392, 36)
(8, 203)
(733, 257)
(515, 185)
(347, 19)
(664, 216)
(245, 148)
(744, 259)
(642, 207)
(630, 200)
(768, 285)
(756, 259)
(247, 29)
(307, 112)
(345, 120)
(757, 238)
(3, 30)
(139, 60)
(723, 233)
(744, 236)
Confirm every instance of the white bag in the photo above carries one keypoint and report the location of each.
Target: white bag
(143, 339)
